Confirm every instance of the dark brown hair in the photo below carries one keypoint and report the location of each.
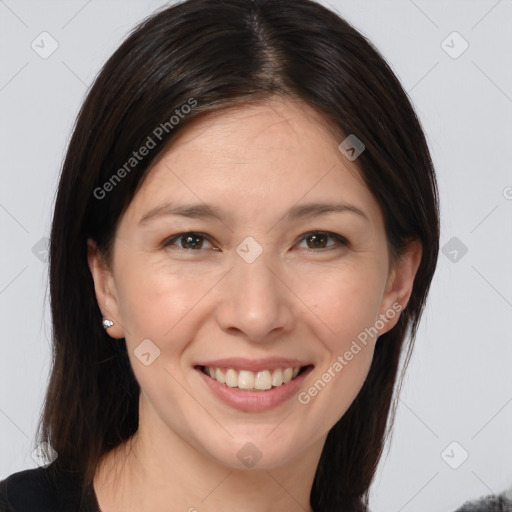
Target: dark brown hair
(214, 54)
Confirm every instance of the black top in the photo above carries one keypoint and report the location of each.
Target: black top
(32, 490)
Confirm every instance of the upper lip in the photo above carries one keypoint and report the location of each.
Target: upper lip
(255, 365)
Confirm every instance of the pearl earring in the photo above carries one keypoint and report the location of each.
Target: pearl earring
(107, 323)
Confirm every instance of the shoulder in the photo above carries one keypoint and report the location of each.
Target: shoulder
(39, 489)
(26, 490)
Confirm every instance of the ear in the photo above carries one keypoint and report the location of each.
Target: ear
(399, 285)
(104, 288)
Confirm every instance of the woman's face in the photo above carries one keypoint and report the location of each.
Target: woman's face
(252, 248)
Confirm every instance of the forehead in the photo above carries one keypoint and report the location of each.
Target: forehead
(280, 150)
(277, 125)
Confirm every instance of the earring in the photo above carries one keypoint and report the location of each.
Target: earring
(107, 323)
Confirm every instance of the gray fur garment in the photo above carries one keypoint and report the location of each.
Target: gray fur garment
(501, 503)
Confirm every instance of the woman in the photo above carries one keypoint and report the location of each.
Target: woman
(245, 230)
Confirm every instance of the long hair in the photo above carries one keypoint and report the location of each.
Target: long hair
(210, 55)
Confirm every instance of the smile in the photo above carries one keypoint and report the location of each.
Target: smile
(253, 385)
(262, 380)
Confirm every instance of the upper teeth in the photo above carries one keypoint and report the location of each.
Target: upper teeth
(245, 379)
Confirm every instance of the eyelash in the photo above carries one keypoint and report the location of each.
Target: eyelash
(338, 238)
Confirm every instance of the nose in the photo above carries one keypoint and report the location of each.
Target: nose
(255, 302)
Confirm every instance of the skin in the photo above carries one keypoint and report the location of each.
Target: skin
(295, 300)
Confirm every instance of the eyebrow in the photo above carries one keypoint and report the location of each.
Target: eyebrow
(203, 211)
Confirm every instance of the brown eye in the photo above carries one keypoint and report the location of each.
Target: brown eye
(187, 241)
(317, 240)
(192, 242)
(320, 240)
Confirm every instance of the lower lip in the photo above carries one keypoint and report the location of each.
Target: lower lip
(255, 401)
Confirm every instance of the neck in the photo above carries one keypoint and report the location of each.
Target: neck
(157, 467)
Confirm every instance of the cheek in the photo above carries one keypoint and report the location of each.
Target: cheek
(347, 308)
(346, 305)
(344, 301)
(154, 298)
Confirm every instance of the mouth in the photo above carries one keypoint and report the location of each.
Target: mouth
(247, 380)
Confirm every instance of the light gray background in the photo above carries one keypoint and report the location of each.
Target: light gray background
(459, 384)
